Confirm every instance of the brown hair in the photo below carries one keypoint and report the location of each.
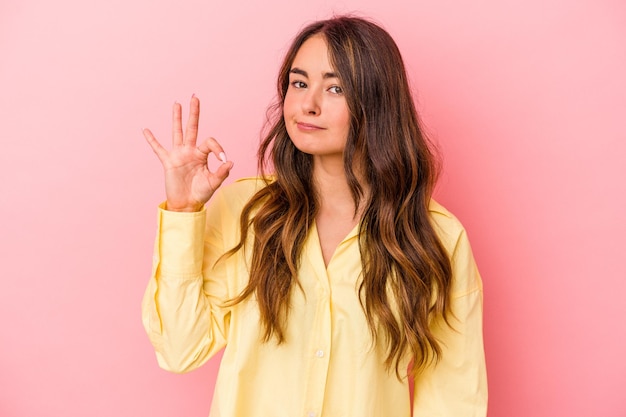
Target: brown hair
(401, 254)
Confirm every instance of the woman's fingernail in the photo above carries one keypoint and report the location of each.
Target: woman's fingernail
(223, 157)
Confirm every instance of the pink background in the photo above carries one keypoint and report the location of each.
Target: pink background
(527, 100)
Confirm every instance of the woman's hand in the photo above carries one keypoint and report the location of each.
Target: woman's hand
(189, 183)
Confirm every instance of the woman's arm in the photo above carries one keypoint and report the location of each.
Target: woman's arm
(182, 307)
(457, 385)
(185, 323)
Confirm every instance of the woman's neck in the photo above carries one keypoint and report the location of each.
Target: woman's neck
(331, 185)
(336, 212)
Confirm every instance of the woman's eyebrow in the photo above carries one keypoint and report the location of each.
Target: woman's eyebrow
(296, 70)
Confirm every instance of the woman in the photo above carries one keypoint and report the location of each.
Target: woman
(333, 279)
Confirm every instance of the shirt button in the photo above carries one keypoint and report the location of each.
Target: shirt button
(319, 354)
(311, 414)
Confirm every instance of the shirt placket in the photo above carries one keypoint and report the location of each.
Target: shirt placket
(319, 351)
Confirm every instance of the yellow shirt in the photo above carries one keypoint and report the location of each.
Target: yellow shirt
(328, 366)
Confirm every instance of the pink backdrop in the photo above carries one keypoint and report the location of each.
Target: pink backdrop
(526, 98)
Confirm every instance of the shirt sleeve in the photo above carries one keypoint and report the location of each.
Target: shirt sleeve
(456, 386)
(182, 309)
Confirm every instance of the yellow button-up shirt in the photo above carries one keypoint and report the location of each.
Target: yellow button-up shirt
(329, 366)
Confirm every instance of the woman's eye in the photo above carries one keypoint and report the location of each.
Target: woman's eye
(298, 84)
(335, 89)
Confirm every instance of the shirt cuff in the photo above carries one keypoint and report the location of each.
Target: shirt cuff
(180, 242)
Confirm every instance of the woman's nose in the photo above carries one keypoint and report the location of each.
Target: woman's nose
(310, 103)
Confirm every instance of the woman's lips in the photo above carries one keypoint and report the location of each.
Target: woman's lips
(307, 127)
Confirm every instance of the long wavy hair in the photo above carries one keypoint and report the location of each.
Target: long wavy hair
(406, 271)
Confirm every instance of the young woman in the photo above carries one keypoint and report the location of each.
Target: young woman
(333, 280)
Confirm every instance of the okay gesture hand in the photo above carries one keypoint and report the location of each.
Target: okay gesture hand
(189, 183)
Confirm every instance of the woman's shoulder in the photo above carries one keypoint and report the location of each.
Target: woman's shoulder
(446, 224)
(242, 189)
(230, 199)
(234, 196)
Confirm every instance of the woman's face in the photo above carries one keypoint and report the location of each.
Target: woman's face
(315, 109)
